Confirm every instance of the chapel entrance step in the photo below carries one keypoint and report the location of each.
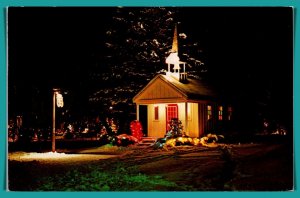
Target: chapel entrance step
(147, 141)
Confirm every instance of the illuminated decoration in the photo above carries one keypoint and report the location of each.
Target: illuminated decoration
(109, 133)
(125, 140)
(136, 129)
(175, 128)
(210, 140)
(59, 100)
(112, 126)
(19, 121)
(220, 113)
(209, 112)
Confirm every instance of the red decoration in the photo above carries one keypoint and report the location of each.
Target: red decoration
(136, 129)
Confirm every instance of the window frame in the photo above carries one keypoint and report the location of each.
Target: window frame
(220, 112)
(209, 112)
(156, 112)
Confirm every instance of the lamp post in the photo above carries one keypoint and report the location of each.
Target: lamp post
(55, 91)
(58, 99)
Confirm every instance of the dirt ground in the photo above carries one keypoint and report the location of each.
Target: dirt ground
(235, 167)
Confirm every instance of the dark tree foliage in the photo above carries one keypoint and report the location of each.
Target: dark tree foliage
(135, 47)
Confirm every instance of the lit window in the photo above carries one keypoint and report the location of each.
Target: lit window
(156, 113)
(209, 112)
(220, 113)
(229, 113)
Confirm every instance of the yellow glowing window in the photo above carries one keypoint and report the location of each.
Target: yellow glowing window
(209, 112)
(229, 113)
(156, 115)
(220, 114)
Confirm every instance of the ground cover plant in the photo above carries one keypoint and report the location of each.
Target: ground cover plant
(96, 179)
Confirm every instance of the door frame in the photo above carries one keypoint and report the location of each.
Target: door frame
(170, 115)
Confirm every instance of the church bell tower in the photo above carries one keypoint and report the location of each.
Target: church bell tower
(176, 68)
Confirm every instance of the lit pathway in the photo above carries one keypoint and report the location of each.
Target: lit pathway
(56, 157)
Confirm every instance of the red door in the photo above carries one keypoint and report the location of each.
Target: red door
(172, 112)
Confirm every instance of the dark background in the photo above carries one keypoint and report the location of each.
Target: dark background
(248, 52)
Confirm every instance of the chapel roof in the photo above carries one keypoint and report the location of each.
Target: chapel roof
(193, 89)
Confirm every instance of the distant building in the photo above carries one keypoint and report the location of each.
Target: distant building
(174, 96)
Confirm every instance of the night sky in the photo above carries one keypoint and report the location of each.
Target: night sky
(249, 51)
(48, 43)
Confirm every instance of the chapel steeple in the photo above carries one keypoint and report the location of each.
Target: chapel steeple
(176, 68)
(175, 41)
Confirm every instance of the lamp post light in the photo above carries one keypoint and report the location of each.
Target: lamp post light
(58, 99)
(53, 120)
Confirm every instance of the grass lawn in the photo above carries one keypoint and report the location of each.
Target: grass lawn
(254, 167)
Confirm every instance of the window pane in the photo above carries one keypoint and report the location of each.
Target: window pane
(209, 112)
(220, 113)
(156, 113)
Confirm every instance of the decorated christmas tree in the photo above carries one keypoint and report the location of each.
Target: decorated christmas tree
(175, 128)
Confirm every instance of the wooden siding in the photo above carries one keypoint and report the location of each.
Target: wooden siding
(192, 126)
(157, 128)
(181, 114)
(158, 91)
(202, 114)
(162, 91)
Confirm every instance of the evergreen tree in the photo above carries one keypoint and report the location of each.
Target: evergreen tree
(139, 40)
(175, 129)
(136, 44)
